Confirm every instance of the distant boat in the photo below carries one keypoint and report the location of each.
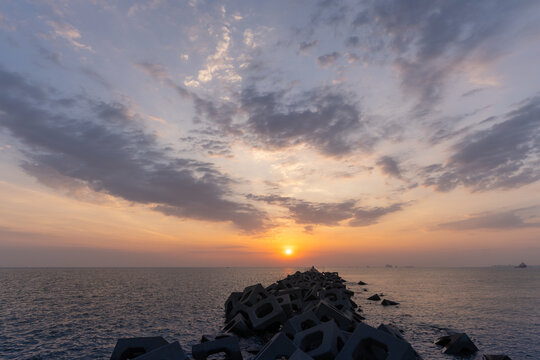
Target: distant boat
(521, 266)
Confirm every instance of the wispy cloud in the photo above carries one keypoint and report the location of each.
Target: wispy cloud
(69, 33)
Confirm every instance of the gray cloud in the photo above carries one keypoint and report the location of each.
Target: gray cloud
(305, 46)
(328, 59)
(324, 119)
(389, 166)
(505, 155)
(514, 219)
(329, 214)
(103, 146)
(428, 40)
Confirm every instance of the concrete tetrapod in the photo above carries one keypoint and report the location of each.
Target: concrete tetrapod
(279, 346)
(300, 355)
(300, 323)
(266, 313)
(368, 343)
(128, 348)
(172, 351)
(321, 342)
(222, 344)
(326, 311)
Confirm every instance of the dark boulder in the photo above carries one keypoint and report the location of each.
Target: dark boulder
(375, 297)
(495, 357)
(387, 302)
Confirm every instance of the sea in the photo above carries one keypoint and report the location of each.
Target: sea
(79, 313)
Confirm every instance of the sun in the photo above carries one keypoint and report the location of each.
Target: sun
(288, 251)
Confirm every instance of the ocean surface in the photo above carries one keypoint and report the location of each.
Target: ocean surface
(79, 313)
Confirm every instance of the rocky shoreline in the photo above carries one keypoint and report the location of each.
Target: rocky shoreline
(307, 315)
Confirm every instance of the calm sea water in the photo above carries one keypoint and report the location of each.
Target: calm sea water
(79, 313)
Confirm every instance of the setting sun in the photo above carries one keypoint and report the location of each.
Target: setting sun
(288, 251)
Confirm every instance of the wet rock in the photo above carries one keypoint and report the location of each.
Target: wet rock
(457, 344)
(221, 344)
(495, 357)
(375, 297)
(172, 351)
(387, 302)
(130, 348)
(361, 283)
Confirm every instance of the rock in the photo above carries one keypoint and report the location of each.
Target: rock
(457, 344)
(172, 351)
(375, 297)
(495, 357)
(221, 344)
(361, 283)
(129, 348)
(387, 302)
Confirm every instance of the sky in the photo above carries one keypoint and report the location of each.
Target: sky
(222, 133)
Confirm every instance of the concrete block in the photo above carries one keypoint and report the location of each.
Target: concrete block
(172, 351)
(368, 343)
(226, 344)
(457, 344)
(129, 348)
(300, 322)
(392, 330)
(279, 346)
(325, 312)
(321, 342)
(300, 355)
(266, 313)
(237, 325)
(253, 294)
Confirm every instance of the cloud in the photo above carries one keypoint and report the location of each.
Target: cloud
(507, 220)
(103, 146)
(329, 214)
(305, 46)
(220, 64)
(328, 59)
(506, 155)
(324, 119)
(389, 166)
(150, 5)
(429, 40)
(70, 33)
(53, 57)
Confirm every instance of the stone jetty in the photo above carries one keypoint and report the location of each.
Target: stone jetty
(306, 316)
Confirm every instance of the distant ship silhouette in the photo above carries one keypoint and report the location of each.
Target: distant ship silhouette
(522, 265)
